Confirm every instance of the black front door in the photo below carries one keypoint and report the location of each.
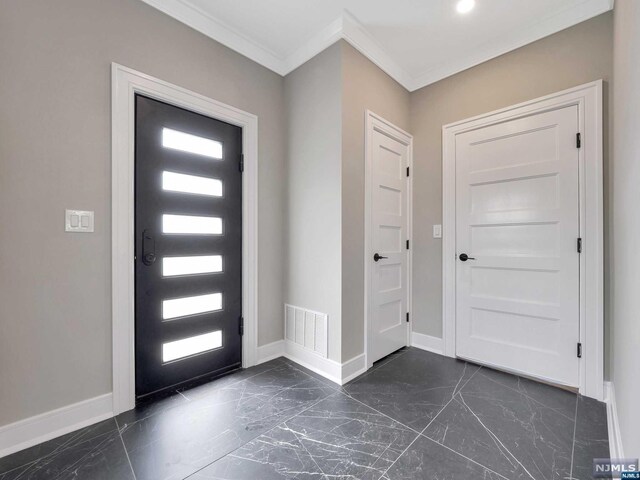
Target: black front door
(188, 223)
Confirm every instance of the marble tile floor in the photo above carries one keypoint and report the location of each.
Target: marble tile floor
(414, 415)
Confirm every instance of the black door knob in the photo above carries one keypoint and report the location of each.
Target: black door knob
(464, 257)
(377, 257)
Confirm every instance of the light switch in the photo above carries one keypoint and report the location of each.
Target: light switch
(437, 231)
(79, 221)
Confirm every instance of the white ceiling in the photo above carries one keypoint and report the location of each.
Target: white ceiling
(417, 42)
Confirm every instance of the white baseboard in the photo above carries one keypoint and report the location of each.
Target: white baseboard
(615, 441)
(339, 373)
(427, 342)
(353, 368)
(329, 369)
(46, 426)
(270, 351)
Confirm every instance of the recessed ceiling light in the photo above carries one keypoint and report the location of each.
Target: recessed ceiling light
(465, 6)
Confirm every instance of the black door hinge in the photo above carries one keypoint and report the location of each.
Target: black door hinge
(407, 316)
(578, 140)
(241, 165)
(241, 329)
(579, 245)
(407, 171)
(579, 352)
(407, 244)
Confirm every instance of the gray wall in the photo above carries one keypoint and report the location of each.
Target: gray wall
(326, 100)
(572, 57)
(313, 95)
(55, 92)
(625, 277)
(55, 135)
(364, 86)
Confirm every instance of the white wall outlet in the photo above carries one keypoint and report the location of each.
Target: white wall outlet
(437, 231)
(78, 221)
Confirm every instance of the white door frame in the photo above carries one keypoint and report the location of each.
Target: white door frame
(373, 123)
(588, 99)
(125, 84)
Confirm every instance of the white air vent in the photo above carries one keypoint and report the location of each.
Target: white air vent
(306, 328)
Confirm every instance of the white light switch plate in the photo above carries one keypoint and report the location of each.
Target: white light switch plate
(79, 221)
(437, 231)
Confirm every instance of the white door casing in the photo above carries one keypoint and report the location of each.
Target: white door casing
(387, 211)
(517, 217)
(126, 83)
(587, 99)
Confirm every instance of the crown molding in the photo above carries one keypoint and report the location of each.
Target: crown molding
(314, 45)
(357, 35)
(565, 19)
(194, 17)
(347, 27)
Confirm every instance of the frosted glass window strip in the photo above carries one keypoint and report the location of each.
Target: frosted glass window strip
(182, 307)
(178, 182)
(188, 224)
(186, 142)
(195, 265)
(191, 346)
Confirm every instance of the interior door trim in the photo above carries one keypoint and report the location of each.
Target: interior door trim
(126, 83)
(588, 99)
(374, 122)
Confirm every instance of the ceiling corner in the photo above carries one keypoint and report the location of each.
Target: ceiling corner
(357, 35)
(185, 12)
(314, 45)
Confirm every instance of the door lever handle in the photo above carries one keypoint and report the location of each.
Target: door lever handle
(148, 249)
(464, 257)
(378, 257)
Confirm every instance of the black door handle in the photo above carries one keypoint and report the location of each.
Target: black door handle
(148, 249)
(464, 257)
(377, 257)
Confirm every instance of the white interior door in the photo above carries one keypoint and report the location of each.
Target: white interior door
(388, 255)
(517, 217)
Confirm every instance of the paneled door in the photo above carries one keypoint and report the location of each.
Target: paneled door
(188, 228)
(388, 306)
(518, 265)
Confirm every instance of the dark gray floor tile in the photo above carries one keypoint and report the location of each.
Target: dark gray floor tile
(279, 420)
(56, 445)
(380, 363)
(145, 408)
(15, 473)
(201, 390)
(336, 438)
(506, 431)
(412, 388)
(556, 398)
(291, 461)
(592, 437)
(389, 358)
(186, 438)
(426, 460)
(161, 402)
(311, 373)
(102, 458)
